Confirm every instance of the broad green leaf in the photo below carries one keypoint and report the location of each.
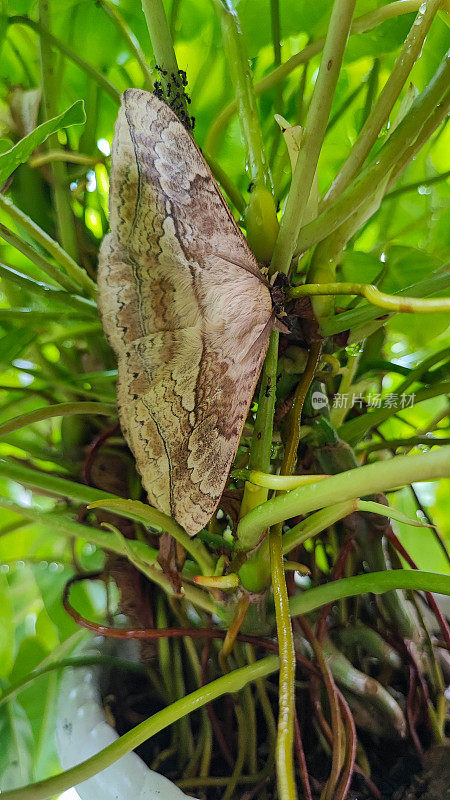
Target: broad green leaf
(424, 549)
(16, 752)
(9, 161)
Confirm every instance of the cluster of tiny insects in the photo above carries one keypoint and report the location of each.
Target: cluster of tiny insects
(174, 94)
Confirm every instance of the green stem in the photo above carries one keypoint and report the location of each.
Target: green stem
(366, 687)
(433, 122)
(313, 135)
(357, 317)
(165, 57)
(78, 492)
(64, 525)
(74, 272)
(412, 187)
(370, 479)
(353, 430)
(242, 745)
(141, 512)
(368, 640)
(63, 209)
(285, 738)
(51, 293)
(381, 110)
(421, 369)
(361, 24)
(56, 410)
(70, 54)
(227, 684)
(241, 77)
(337, 415)
(363, 187)
(316, 523)
(95, 497)
(281, 482)
(46, 266)
(373, 295)
(226, 183)
(412, 441)
(371, 583)
(372, 90)
(130, 39)
(64, 155)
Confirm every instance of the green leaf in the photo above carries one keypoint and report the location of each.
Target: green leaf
(9, 161)
(13, 344)
(6, 629)
(17, 746)
(391, 513)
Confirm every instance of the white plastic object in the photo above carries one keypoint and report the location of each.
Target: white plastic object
(82, 731)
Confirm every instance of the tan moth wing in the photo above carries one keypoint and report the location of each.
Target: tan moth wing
(189, 327)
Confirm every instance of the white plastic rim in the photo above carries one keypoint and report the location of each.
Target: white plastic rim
(82, 731)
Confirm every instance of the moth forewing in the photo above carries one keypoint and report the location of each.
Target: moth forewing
(184, 308)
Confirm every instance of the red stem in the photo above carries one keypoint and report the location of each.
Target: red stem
(165, 633)
(431, 601)
(301, 759)
(93, 450)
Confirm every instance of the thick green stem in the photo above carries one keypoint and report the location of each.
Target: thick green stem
(362, 24)
(433, 122)
(363, 187)
(370, 479)
(381, 110)
(241, 77)
(371, 583)
(158, 28)
(313, 136)
(227, 684)
(286, 696)
(316, 523)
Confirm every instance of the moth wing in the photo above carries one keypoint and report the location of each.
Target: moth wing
(182, 407)
(189, 325)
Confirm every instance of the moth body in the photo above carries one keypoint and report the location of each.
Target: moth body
(185, 309)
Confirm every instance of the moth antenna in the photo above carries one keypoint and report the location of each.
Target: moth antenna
(247, 267)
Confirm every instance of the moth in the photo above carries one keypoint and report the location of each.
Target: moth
(184, 306)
